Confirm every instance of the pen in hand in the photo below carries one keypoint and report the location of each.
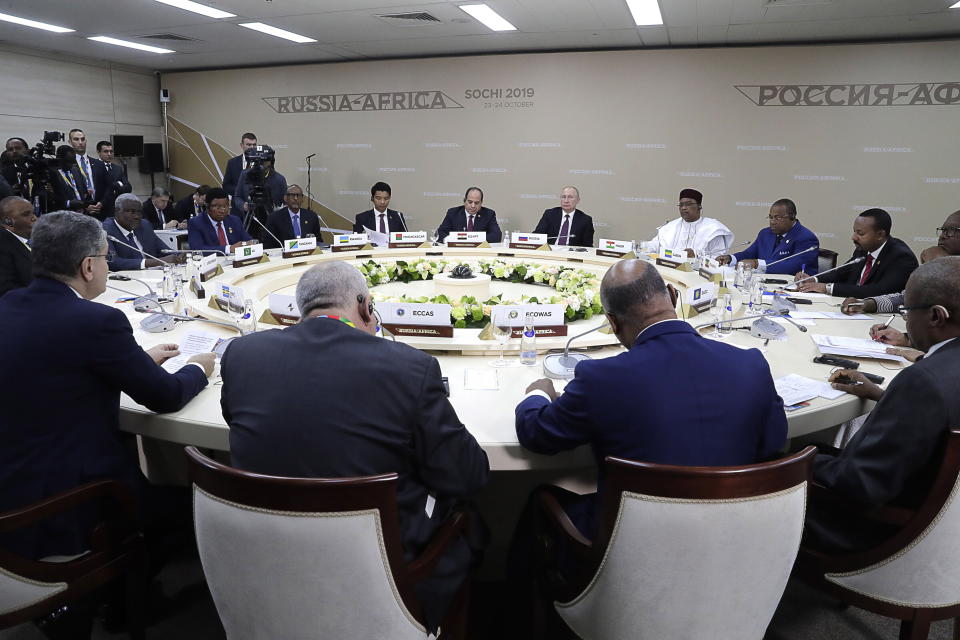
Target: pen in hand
(877, 334)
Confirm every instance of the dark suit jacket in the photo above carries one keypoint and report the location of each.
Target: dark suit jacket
(456, 220)
(129, 259)
(108, 184)
(369, 220)
(581, 227)
(889, 274)
(63, 431)
(16, 268)
(231, 174)
(275, 186)
(202, 235)
(63, 196)
(280, 425)
(631, 406)
(184, 208)
(894, 455)
(279, 225)
(150, 214)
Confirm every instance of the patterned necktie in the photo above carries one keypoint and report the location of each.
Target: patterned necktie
(221, 236)
(296, 224)
(866, 269)
(85, 170)
(564, 230)
(470, 222)
(383, 223)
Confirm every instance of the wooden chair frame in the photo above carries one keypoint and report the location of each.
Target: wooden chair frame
(812, 566)
(340, 494)
(116, 551)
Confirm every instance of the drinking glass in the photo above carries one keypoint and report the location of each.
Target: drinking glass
(717, 308)
(501, 329)
(434, 234)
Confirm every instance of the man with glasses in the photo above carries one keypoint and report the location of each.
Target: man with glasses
(785, 239)
(887, 262)
(62, 429)
(893, 457)
(692, 232)
(291, 221)
(567, 225)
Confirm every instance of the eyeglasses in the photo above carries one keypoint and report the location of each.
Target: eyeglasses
(903, 310)
(108, 256)
(681, 205)
(948, 232)
(294, 195)
(777, 218)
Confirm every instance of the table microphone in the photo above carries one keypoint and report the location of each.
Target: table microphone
(130, 246)
(122, 278)
(724, 251)
(845, 264)
(571, 235)
(171, 251)
(807, 250)
(560, 366)
(141, 303)
(402, 220)
(161, 321)
(279, 244)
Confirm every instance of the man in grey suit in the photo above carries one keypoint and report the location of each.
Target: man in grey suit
(281, 425)
(893, 457)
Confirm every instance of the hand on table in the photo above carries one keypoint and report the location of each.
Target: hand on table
(162, 352)
(860, 386)
(545, 385)
(205, 360)
(888, 335)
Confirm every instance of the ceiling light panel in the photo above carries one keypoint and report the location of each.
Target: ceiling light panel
(490, 18)
(645, 12)
(33, 23)
(131, 45)
(196, 7)
(279, 33)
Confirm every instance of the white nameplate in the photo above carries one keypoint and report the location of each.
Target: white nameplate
(230, 298)
(248, 252)
(538, 239)
(299, 244)
(350, 239)
(408, 236)
(701, 294)
(619, 246)
(466, 236)
(283, 305)
(208, 263)
(436, 315)
(536, 314)
(673, 255)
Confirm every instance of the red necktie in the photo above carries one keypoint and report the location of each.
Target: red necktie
(221, 236)
(383, 224)
(564, 230)
(470, 222)
(866, 269)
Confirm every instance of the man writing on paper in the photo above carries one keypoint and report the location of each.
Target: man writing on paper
(281, 425)
(567, 225)
(888, 262)
(784, 241)
(893, 457)
(692, 232)
(629, 406)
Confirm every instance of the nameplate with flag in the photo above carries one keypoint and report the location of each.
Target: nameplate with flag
(350, 242)
(673, 258)
(208, 267)
(281, 309)
(615, 248)
(527, 240)
(297, 247)
(413, 319)
(466, 238)
(699, 298)
(546, 319)
(407, 239)
(248, 254)
(227, 298)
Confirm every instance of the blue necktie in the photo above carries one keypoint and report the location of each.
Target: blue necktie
(296, 224)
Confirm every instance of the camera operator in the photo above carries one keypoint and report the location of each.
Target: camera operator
(109, 178)
(70, 191)
(261, 188)
(15, 148)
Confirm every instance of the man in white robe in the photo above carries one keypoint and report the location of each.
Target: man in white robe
(693, 232)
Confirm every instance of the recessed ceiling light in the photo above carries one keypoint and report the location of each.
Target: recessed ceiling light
(34, 24)
(196, 7)
(955, 6)
(132, 45)
(490, 18)
(645, 12)
(273, 31)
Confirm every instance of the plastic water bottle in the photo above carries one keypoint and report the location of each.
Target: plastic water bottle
(528, 346)
(167, 287)
(248, 321)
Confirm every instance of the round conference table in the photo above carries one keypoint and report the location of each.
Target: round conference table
(487, 414)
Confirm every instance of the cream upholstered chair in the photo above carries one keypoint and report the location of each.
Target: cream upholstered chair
(33, 588)
(688, 552)
(913, 576)
(307, 557)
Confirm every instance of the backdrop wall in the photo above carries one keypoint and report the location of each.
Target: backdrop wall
(836, 128)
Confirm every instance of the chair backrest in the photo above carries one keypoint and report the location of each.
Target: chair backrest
(302, 558)
(826, 259)
(692, 552)
(18, 592)
(917, 567)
